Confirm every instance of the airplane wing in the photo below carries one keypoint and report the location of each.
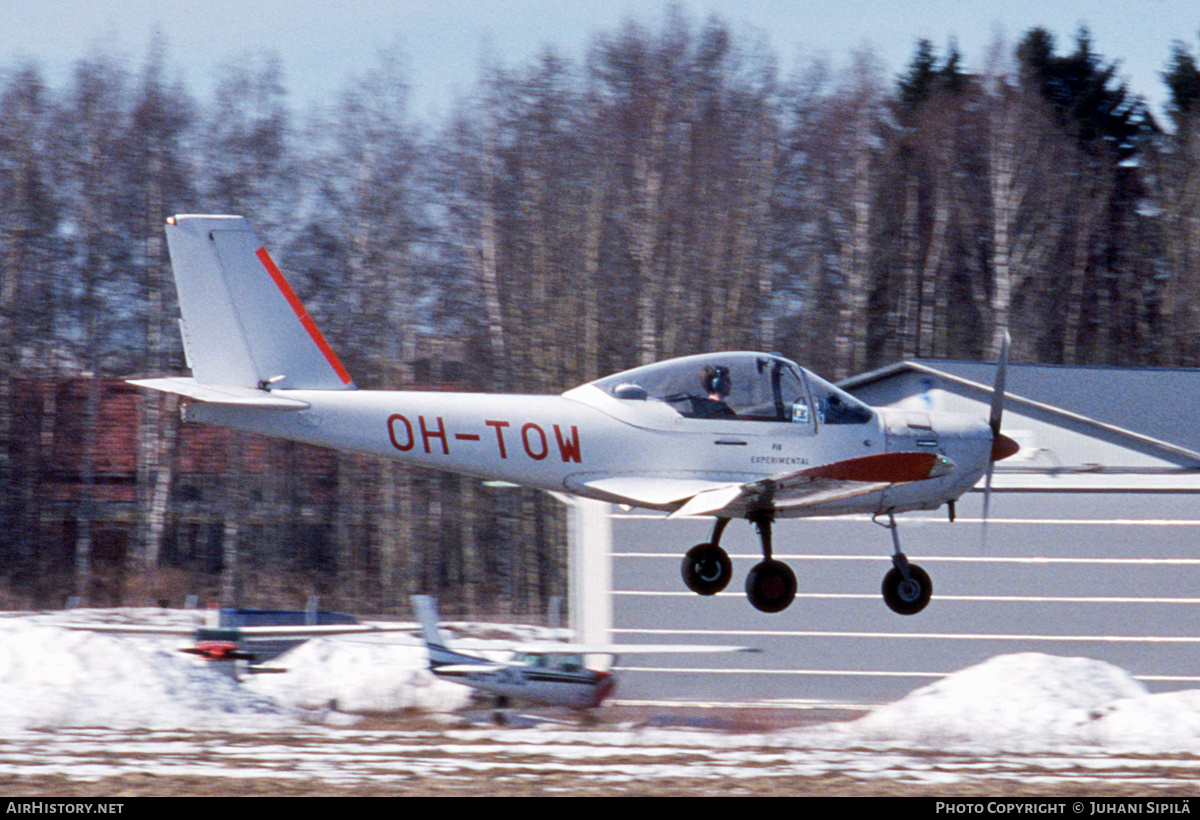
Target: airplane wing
(132, 629)
(631, 649)
(802, 488)
(296, 631)
(317, 630)
(817, 485)
(460, 669)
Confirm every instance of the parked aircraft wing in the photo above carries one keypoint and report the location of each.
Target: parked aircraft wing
(318, 630)
(630, 649)
(289, 631)
(817, 485)
(133, 629)
(462, 669)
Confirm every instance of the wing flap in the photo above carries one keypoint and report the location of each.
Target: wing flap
(714, 500)
(656, 492)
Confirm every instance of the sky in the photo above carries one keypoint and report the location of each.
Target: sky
(322, 43)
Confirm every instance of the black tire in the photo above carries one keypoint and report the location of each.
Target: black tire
(907, 598)
(771, 586)
(706, 569)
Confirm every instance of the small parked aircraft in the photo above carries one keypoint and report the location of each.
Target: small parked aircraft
(725, 435)
(549, 674)
(255, 636)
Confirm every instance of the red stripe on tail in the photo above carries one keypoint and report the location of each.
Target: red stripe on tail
(302, 314)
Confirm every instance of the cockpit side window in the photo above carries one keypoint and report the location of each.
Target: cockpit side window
(569, 663)
(836, 406)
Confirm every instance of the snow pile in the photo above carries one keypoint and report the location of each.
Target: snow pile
(1031, 702)
(359, 676)
(1163, 723)
(53, 677)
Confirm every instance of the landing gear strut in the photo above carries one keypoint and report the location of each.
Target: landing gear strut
(706, 567)
(771, 584)
(906, 588)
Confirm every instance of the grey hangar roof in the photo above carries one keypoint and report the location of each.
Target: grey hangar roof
(1151, 409)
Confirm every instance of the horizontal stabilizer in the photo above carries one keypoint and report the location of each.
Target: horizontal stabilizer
(223, 394)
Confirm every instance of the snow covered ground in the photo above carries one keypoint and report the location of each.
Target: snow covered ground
(79, 706)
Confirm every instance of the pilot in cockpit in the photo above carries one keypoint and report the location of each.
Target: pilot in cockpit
(717, 385)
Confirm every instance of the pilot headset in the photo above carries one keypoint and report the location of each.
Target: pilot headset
(716, 380)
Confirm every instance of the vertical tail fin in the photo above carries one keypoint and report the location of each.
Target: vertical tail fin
(243, 325)
(426, 608)
(439, 654)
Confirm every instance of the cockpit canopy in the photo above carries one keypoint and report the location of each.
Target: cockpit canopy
(738, 386)
(557, 661)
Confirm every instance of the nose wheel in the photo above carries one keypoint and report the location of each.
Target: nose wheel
(907, 595)
(906, 588)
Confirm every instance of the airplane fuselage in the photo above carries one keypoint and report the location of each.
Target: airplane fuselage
(590, 444)
(578, 688)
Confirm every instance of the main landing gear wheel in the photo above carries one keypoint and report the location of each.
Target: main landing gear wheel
(706, 569)
(771, 586)
(907, 596)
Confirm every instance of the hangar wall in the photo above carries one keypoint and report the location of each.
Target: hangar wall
(1109, 576)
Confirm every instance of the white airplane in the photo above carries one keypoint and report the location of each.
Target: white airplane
(725, 435)
(550, 674)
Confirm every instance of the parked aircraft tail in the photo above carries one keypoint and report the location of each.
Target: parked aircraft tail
(243, 326)
(439, 654)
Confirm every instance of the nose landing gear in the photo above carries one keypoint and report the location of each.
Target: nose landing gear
(906, 588)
